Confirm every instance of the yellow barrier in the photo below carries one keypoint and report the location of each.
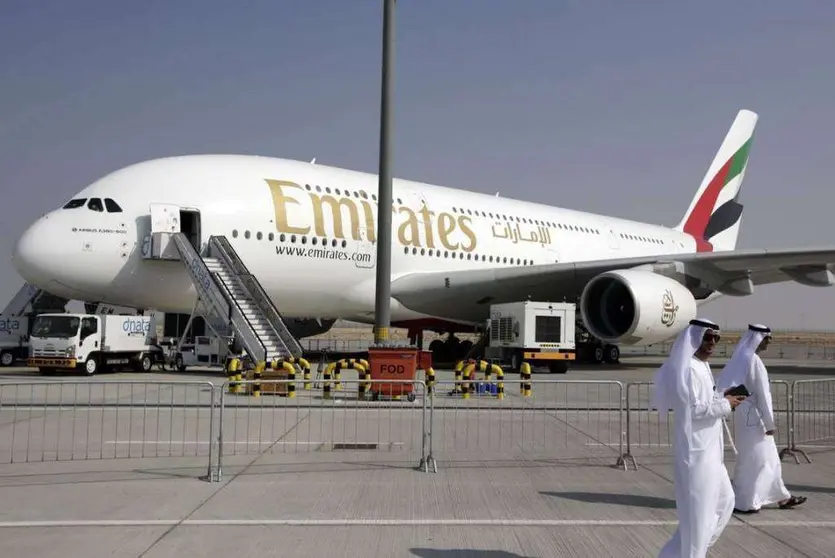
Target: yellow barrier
(365, 383)
(256, 386)
(335, 369)
(304, 365)
(458, 376)
(466, 387)
(280, 364)
(232, 373)
(430, 379)
(525, 379)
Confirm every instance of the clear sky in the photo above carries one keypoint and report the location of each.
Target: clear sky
(613, 107)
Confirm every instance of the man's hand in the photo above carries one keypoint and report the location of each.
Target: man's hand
(769, 433)
(735, 400)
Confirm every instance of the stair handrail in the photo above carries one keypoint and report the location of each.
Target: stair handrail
(183, 244)
(259, 296)
(227, 293)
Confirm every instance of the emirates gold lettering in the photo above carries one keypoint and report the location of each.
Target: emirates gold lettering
(280, 202)
(329, 214)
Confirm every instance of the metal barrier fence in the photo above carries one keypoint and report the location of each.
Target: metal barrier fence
(560, 419)
(648, 436)
(114, 419)
(812, 421)
(343, 418)
(414, 422)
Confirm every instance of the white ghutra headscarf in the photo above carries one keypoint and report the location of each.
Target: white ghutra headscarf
(738, 368)
(670, 381)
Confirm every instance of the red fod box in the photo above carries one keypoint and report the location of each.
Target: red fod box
(393, 363)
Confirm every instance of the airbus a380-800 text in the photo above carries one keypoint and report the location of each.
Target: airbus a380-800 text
(308, 233)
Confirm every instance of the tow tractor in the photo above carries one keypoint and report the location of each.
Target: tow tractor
(541, 333)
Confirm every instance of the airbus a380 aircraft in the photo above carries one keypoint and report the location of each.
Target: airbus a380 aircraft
(307, 232)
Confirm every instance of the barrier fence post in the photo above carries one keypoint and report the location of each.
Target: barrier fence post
(627, 455)
(210, 473)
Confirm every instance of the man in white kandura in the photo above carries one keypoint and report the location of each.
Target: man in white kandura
(704, 495)
(758, 472)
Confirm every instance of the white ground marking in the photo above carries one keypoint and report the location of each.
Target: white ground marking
(246, 442)
(389, 522)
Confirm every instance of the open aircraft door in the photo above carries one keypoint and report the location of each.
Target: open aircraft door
(165, 221)
(165, 218)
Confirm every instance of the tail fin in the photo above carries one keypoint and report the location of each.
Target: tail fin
(714, 216)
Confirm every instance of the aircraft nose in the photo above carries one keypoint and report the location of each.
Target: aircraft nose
(35, 256)
(43, 257)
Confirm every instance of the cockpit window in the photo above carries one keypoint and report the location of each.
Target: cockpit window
(72, 204)
(95, 204)
(112, 206)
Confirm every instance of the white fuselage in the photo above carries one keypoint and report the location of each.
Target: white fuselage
(307, 232)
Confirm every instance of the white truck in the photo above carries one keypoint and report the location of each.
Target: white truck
(536, 332)
(69, 341)
(14, 339)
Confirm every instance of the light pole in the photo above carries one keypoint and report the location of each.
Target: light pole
(382, 306)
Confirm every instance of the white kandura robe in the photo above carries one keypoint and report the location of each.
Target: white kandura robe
(758, 473)
(704, 495)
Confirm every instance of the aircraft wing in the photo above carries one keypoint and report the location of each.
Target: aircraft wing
(468, 294)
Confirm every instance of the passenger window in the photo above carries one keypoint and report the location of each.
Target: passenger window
(72, 204)
(95, 204)
(112, 206)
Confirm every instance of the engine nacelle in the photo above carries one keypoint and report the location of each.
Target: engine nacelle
(636, 307)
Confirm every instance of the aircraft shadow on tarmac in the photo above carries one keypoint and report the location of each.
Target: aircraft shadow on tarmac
(633, 500)
(463, 553)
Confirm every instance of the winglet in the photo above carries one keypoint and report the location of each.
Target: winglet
(714, 216)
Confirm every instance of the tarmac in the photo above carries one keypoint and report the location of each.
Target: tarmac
(116, 465)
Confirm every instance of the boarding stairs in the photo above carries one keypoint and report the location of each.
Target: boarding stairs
(32, 300)
(230, 294)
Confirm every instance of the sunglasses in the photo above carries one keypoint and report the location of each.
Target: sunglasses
(711, 337)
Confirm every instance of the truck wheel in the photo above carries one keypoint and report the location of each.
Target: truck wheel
(145, 363)
(91, 366)
(558, 367)
(599, 355)
(6, 358)
(178, 362)
(516, 360)
(612, 354)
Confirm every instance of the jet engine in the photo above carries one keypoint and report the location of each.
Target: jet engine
(635, 307)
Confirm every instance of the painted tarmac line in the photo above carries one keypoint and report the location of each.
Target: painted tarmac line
(389, 522)
(244, 443)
